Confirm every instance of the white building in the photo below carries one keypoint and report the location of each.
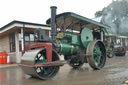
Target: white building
(17, 36)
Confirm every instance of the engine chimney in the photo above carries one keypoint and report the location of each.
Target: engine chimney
(53, 23)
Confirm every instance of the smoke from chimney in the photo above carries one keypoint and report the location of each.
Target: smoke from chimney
(116, 16)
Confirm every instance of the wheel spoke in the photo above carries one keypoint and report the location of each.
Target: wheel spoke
(97, 54)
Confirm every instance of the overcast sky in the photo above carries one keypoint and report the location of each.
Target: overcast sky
(38, 11)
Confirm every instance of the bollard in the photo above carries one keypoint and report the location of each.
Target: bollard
(8, 60)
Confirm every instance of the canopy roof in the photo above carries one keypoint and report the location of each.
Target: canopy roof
(115, 35)
(111, 35)
(75, 21)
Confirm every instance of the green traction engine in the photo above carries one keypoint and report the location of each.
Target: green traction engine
(78, 39)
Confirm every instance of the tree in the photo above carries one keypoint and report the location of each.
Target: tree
(99, 13)
(116, 16)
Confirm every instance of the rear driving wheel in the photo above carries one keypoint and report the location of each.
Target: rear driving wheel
(110, 52)
(97, 54)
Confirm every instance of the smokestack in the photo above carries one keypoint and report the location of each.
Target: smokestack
(53, 23)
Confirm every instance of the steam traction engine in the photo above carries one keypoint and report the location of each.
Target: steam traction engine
(78, 38)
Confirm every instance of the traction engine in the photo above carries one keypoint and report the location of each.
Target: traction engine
(79, 39)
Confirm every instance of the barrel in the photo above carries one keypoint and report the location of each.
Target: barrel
(5, 57)
(1, 58)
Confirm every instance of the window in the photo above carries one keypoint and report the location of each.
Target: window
(12, 42)
(19, 36)
(29, 37)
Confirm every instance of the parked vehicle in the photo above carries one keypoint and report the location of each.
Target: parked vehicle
(116, 45)
(121, 45)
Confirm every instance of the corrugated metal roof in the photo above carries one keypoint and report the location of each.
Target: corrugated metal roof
(78, 17)
(21, 22)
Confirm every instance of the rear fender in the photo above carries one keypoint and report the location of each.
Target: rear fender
(47, 46)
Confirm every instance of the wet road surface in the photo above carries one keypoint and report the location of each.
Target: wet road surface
(114, 73)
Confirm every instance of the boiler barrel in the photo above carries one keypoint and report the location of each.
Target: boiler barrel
(68, 49)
